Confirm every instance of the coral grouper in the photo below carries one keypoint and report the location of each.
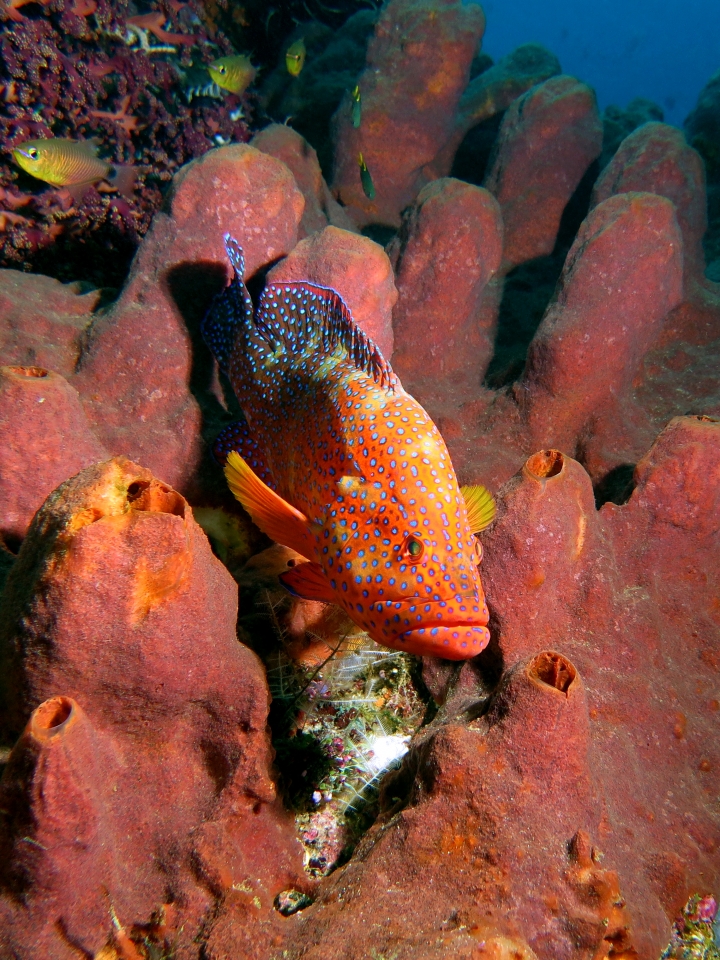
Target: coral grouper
(336, 461)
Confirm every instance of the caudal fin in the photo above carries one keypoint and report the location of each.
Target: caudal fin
(123, 178)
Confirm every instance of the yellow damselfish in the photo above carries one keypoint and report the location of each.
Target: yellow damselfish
(366, 179)
(234, 73)
(73, 164)
(295, 57)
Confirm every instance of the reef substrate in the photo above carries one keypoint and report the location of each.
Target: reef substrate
(561, 804)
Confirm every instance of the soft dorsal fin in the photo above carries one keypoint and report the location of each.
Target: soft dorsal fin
(276, 517)
(304, 316)
(480, 505)
(308, 581)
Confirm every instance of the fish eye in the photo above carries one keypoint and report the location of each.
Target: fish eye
(221, 68)
(33, 153)
(412, 549)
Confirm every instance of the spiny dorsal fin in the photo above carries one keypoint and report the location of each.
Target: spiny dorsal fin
(480, 505)
(235, 256)
(303, 315)
(231, 308)
(276, 517)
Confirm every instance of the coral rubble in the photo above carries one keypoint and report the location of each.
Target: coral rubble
(555, 798)
(93, 70)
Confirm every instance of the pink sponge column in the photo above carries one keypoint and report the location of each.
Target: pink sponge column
(621, 278)
(655, 158)
(449, 250)
(44, 437)
(418, 64)
(548, 139)
(135, 372)
(116, 602)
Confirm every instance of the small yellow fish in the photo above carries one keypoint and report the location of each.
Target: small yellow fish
(365, 179)
(295, 58)
(70, 163)
(356, 107)
(234, 73)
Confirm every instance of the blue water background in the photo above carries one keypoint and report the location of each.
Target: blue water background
(665, 50)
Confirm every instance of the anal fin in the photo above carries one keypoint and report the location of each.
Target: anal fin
(77, 191)
(308, 581)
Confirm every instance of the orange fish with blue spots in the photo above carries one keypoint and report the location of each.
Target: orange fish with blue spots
(335, 460)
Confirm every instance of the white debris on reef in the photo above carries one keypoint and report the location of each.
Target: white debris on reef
(384, 751)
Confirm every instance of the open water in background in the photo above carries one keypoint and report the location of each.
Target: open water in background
(665, 50)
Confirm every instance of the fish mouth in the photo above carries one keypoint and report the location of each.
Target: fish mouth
(451, 641)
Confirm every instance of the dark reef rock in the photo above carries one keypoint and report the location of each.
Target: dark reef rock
(618, 124)
(702, 126)
(335, 60)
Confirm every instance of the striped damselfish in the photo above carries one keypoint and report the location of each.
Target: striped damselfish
(335, 460)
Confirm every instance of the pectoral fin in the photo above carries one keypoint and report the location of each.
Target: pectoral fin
(276, 517)
(308, 581)
(480, 505)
